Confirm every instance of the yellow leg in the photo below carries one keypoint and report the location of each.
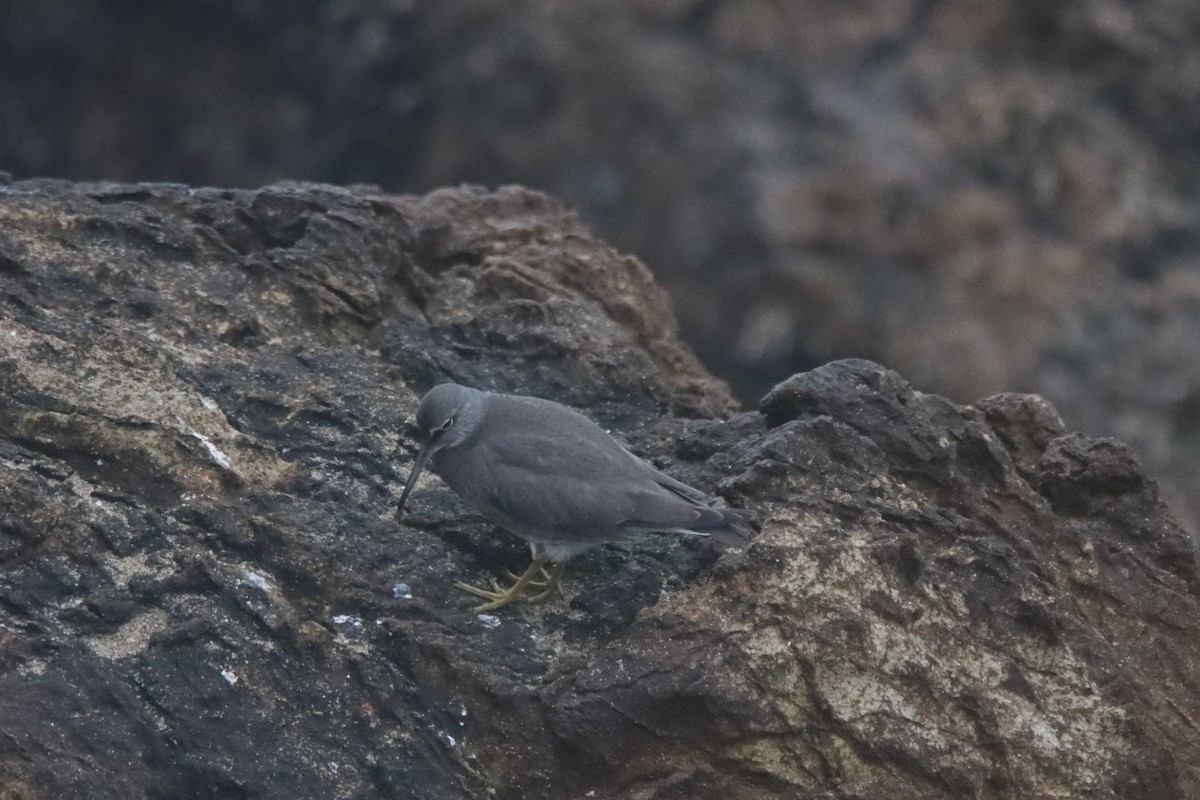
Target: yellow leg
(500, 597)
(541, 581)
(552, 584)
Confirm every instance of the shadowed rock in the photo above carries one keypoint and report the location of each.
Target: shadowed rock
(985, 199)
(207, 416)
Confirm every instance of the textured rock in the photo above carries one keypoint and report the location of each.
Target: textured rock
(206, 420)
(988, 197)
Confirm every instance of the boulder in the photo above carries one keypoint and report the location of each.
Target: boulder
(206, 420)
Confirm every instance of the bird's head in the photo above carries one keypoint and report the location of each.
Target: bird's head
(447, 416)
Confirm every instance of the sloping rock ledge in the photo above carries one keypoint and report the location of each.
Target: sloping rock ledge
(206, 404)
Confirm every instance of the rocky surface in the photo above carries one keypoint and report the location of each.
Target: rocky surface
(206, 419)
(987, 197)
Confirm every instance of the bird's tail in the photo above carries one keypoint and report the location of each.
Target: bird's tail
(736, 527)
(729, 527)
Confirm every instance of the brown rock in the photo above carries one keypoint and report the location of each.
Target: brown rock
(988, 197)
(206, 419)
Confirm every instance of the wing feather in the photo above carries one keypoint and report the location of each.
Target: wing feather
(549, 472)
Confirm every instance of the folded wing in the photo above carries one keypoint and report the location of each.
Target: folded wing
(566, 483)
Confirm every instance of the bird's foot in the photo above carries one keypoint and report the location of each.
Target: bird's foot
(536, 577)
(552, 586)
(540, 581)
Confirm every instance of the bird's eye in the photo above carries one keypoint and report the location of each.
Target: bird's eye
(446, 425)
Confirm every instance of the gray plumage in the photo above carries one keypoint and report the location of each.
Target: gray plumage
(552, 476)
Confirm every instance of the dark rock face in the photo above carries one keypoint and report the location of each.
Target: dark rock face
(206, 417)
(988, 198)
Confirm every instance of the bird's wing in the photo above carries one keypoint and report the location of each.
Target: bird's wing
(553, 484)
(569, 483)
(660, 510)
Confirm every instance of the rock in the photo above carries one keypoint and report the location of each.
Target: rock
(206, 422)
(988, 199)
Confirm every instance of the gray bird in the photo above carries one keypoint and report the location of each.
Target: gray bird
(553, 477)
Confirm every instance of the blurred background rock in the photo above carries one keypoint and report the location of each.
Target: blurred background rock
(984, 196)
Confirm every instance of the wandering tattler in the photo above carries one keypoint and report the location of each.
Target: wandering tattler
(553, 477)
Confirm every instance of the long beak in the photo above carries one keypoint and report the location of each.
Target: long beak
(418, 465)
